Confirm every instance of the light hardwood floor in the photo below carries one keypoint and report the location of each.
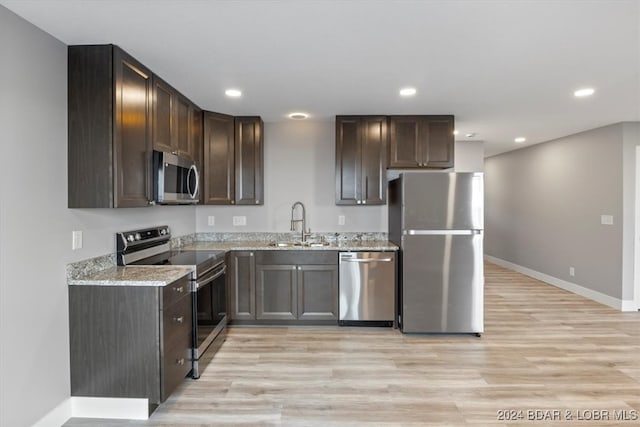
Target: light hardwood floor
(543, 349)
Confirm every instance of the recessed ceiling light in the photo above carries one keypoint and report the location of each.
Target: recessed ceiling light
(408, 91)
(233, 93)
(586, 91)
(520, 139)
(455, 132)
(298, 116)
(470, 135)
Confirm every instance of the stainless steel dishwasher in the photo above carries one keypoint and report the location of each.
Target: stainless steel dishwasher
(367, 288)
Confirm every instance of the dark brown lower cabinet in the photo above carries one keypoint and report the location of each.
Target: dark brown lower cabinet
(242, 285)
(296, 287)
(276, 292)
(130, 341)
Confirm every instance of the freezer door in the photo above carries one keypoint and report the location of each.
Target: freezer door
(442, 283)
(443, 201)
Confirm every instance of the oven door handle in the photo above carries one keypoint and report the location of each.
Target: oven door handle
(209, 277)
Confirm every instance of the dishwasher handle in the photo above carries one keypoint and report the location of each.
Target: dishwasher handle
(366, 260)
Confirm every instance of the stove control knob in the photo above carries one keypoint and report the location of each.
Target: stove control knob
(130, 238)
(138, 237)
(163, 231)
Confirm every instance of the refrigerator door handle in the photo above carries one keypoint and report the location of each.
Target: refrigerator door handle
(440, 232)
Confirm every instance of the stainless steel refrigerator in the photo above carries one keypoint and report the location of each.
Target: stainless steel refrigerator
(437, 219)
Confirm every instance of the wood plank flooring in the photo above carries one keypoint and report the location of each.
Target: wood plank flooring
(543, 349)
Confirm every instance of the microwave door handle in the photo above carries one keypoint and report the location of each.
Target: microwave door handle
(193, 170)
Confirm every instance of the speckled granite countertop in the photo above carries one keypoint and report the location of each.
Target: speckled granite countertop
(100, 271)
(245, 245)
(134, 276)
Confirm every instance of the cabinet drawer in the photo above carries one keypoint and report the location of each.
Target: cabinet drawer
(315, 257)
(176, 365)
(177, 321)
(175, 290)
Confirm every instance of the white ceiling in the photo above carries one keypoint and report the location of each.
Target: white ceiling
(503, 68)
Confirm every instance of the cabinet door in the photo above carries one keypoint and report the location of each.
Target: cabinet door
(218, 167)
(318, 292)
(276, 292)
(242, 284)
(405, 144)
(249, 154)
(373, 180)
(439, 144)
(348, 160)
(163, 123)
(183, 122)
(132, 138)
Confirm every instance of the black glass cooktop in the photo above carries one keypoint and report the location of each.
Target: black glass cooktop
(195, 258)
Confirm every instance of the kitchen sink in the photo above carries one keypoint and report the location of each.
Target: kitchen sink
(298, 244)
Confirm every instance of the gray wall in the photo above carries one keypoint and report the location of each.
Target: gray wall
(300, 165)
(35, 224)
(299, 159)
(543, 207)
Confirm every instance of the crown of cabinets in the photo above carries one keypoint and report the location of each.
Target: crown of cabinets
(367, 145)
(233, 160)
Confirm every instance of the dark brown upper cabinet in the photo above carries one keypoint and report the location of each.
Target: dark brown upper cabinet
(233, 160)
(172, 120)
(421, 141)
(249, 160)
(219, 160)
(109, 135)
(361, 160)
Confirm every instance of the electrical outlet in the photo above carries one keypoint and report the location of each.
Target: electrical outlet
(239, 220)
(340, 219)
(606, 219)
(211, 220)
(76, 240)
(572, 271)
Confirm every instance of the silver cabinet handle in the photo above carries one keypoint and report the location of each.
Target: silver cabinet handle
(178, 319)
(180, 361)
(175, 153)
(179, 289)
(152, 202)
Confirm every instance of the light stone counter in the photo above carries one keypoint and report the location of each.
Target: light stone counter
(134, 276)
(365, 245)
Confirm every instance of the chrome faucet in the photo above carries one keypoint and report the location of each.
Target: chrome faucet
(303, 220)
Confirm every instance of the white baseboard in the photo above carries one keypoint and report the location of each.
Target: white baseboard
(57, 416)
(95, 407)
(618, 304)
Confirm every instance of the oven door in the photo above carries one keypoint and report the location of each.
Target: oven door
(210, 314)
(176, 179)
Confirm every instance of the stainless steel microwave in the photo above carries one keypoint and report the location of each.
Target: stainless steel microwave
(176, 179)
